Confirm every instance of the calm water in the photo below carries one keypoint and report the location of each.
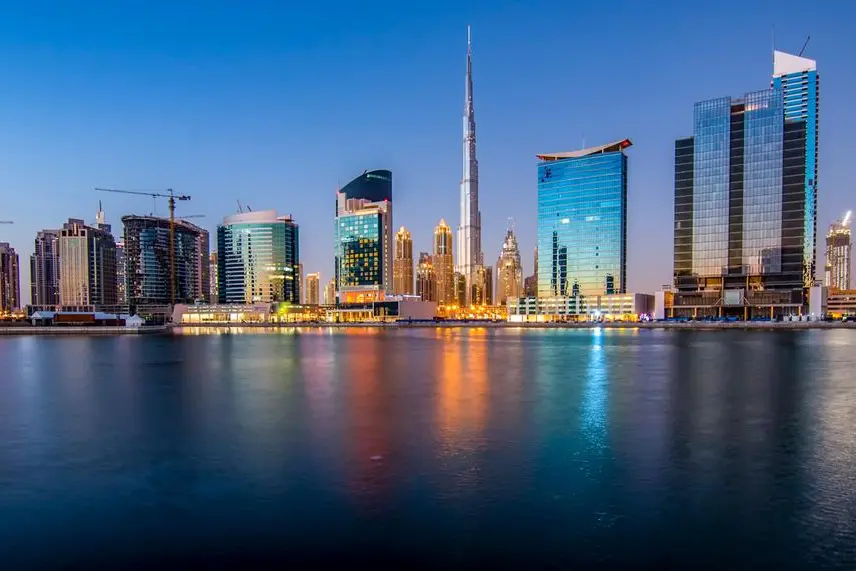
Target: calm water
(430, 448)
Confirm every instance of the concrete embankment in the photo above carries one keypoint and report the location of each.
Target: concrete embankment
(95, 330)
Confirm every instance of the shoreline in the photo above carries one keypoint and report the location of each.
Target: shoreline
(247, 328)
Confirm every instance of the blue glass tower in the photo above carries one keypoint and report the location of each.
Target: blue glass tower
(582, 221)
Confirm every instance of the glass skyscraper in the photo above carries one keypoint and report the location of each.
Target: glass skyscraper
(258, 258)
(745, 198)
(582, 221)
(364, 238)
(147, 261)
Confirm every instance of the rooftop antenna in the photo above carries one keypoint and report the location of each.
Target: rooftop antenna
(240, 208)
(804, 45)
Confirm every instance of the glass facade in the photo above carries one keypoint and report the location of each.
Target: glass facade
(359, 250)
(258, 259)
(147, 261)
(582, 224)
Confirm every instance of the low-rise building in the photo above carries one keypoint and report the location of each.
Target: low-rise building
(607, 307)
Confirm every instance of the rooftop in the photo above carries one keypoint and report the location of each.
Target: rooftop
(785, 64)
(613, 147)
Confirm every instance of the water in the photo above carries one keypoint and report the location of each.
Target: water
(430, 448)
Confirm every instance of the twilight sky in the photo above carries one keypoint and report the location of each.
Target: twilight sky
(277, 103)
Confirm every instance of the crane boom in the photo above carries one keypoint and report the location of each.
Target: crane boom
(172, 197)
(6, 222)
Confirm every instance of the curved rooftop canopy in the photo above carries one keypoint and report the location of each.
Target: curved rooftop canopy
(374, 186)
(602, 149)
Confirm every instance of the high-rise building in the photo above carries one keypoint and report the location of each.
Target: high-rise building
(838, 250)
(582, 221)
(87, 265)
(330, 292)
(426, 279)
(797, 81)
(10, 279)
(148, 264)
(530, 284)
(44, 269)
(745, 199)
(213, 278)
(258, 258)
(402, 279)
(482, 288)
(460, 293)
(204, 271)
(509, 269)
(444, 268)
(469, 232)
(313, 292)
(300, 280)
(364, 244)
(121, 275)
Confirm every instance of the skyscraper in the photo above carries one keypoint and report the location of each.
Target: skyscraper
(745, 199)
(313, 293)
(460, 289)
(838, 250)
(44, 269)
(121, 275)
(10, 279)
(582, 221)
(87, 265)
(530, 284)
(203, 272)
(364, 244)
(469, 232)
(149, 266)
(442, 261)
(509, 270)
(330, 292)
(258, 258)
(402, 279)
(426, 279)
(482, 289)
(213, 289)
(300, 280)
(797, 81)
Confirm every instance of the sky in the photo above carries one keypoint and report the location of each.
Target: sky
(277, 104)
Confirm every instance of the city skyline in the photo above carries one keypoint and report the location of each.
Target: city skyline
(505, 146)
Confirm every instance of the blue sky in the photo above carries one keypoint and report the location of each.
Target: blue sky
(277, 103)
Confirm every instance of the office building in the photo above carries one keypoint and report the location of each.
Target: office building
(444, 268)
(87, 265)
(402, 269)
(214, 292)
(613, 307)
(364, 243)
(258, 258)
(838, 250)
(481, 291)
(426, 278)
(582, 221)
(203, 262)
(330, 292)
(509, 269)
(10, 279)
(469, 257)
(745, 200)
(121, 275)
(312, 289)
(460, 290)
(530, 284)
(149, 264)
(301, 281)
(44, 269)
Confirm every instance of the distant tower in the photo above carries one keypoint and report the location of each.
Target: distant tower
(469, 232)
(443, 266)
(312, 289)
(426, 279)
(838, 250)
(509, 270)
(10, 279)
(402, 263)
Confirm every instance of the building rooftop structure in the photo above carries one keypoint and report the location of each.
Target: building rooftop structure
(599, 150)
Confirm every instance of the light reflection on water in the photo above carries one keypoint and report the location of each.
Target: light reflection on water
(617, 446)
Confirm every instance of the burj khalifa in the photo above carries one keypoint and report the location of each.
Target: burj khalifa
(469, 257)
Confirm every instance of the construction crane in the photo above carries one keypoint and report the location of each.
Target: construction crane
(6, 222)
(172, 197)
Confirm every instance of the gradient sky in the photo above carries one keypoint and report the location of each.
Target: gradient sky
(277, 103)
